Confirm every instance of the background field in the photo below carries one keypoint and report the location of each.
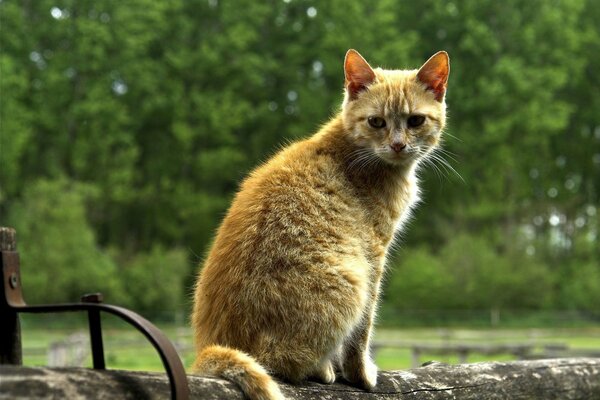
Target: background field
(127, 349)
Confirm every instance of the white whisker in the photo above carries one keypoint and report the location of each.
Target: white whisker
(447, 153)
(445, 164)
(441, 166)
(452, 136)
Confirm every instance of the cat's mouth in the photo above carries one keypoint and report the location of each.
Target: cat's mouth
(398, 155)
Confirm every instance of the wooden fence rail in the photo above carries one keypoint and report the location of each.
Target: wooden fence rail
(564, 379)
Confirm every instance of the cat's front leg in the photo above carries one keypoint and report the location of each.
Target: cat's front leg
(357, 365)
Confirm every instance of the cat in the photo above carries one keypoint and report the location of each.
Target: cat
(290, 285)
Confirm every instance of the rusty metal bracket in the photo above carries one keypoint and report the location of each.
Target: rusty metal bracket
(12, 303)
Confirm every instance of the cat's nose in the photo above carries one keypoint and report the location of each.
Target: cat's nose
(397, 146)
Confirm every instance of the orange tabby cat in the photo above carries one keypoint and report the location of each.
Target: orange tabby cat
(291, 284)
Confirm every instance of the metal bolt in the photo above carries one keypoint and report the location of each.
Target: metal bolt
(92, 298)
(13, 280)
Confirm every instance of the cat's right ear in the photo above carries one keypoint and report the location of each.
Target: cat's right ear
(358, 73)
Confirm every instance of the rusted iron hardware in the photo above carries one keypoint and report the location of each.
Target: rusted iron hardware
(12, 303)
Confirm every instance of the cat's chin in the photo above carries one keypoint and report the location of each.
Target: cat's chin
(398, 159)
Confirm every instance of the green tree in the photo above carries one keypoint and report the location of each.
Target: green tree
(59, 255)
(484, 278)
(582, 289)
(420, 281)
(15, 112)
(153, 281)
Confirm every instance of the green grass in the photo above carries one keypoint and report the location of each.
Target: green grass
(125, 348)
(393, 358)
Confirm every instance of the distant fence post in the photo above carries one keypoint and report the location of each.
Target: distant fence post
(11, 351)
(71, 351)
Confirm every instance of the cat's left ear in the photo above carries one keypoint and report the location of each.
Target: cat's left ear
(358, 72)
(434, 74)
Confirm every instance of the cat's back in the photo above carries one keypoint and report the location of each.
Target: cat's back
(292, 219)
(299, 199)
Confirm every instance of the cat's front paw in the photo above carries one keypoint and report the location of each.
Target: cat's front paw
(369, 374)
(325, 373)
(362, 374)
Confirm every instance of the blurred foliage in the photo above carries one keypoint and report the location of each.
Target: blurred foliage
(126, 127)
(153, 281)
(59, 254)
(467, 272)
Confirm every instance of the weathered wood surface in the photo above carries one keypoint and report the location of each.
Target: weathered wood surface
(8, 239)
(564, 379)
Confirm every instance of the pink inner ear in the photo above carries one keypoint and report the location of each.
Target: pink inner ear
(435, 81)
(358, 83)
(354, 88)
(437, 84)
(434, 74)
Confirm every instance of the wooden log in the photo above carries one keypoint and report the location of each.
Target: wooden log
(564, 379)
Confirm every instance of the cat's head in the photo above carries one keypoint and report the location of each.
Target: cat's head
(399, 115)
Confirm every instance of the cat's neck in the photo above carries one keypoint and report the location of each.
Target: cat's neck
(386, 191)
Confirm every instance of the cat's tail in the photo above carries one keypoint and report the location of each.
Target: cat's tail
(240, 368)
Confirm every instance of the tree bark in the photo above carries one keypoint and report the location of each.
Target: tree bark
(564, 379)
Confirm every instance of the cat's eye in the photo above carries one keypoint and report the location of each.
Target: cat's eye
(376, 122)
(415, 120)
